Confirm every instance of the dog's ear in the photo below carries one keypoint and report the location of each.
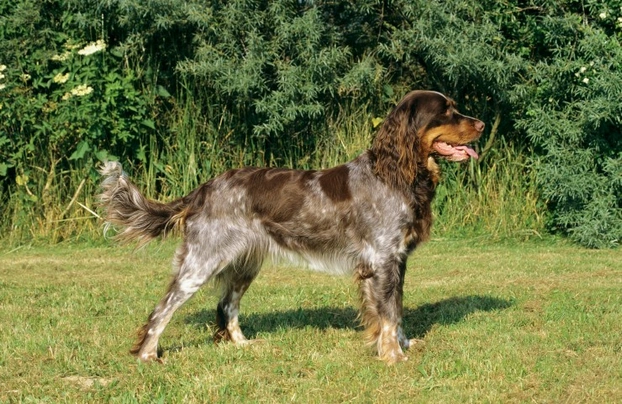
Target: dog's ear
(396, 146)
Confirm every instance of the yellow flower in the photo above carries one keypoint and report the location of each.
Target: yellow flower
(93, 47)
(61, 78)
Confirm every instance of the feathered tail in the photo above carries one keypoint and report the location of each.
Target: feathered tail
(142, 219)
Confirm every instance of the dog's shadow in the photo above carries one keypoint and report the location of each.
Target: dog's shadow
(417, 322)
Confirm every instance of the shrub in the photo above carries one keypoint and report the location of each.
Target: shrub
(66, 104)
(288, 82)
(574, 116)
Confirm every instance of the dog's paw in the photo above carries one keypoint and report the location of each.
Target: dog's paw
(393, 357)
(148, 357)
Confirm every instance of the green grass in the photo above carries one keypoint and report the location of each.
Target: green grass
(514, 322)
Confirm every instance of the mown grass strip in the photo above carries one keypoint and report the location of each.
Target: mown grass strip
(500, 323)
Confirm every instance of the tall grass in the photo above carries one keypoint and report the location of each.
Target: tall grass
(494, 198)
(50, 205)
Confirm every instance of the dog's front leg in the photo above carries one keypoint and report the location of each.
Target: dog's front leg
(381, 311)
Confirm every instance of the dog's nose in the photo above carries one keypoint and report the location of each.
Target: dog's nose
(479, 126)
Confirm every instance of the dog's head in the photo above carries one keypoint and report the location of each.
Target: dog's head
(442, 130)
(423, 124)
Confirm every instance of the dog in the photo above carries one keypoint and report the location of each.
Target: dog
(363, 217)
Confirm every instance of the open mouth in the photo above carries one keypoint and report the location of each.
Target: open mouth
(454, 153)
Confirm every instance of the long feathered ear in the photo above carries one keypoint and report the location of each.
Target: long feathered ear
(396, 146)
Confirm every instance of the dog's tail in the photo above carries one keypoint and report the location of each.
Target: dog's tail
(141, 219)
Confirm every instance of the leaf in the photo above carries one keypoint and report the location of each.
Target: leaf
(103, 156)
(148, 123)
(140, 155)
(162, 92)
(81, 150)
(116, 52)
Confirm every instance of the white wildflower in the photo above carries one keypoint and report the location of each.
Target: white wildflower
(26, 77)
(586, 80)
(93, 47)
(2, 68)
(583, 69)
(61, 58)
(602, 15)
(71, 46)
(61, 78)
(2, 86)
(1, 76)
(66, 96)
(81, 90)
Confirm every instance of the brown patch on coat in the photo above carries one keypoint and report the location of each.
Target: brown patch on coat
(334, 183)
(276, 194)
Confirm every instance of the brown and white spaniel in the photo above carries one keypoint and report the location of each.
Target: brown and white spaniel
(362, 217)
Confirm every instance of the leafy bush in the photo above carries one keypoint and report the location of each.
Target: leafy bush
(574, 116)
(65, 105)
(298, 83)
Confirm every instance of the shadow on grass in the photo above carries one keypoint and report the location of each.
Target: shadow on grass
(417, 322)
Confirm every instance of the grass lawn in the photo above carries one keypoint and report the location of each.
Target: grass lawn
(513, 322)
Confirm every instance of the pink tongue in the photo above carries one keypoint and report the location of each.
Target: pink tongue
(455, 153)
(468, 151)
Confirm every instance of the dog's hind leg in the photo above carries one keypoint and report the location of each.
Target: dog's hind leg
(147, 344)
(192, 274)
(234, 280)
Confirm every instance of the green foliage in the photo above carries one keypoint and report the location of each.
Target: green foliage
(279, 68)
(66, 104)
(185, 90)
(574, 116)
(504, 202)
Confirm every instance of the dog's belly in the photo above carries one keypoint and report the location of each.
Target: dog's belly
(321, 248)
